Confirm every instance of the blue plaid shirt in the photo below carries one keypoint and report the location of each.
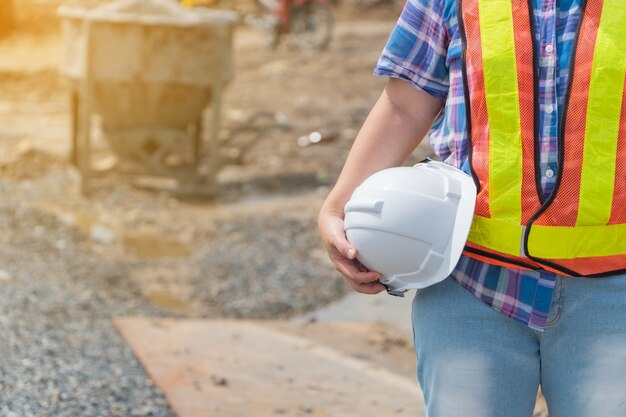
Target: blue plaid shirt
(425, 49)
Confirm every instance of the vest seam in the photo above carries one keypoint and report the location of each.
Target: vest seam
(500, 258)
(466, 94)
(538, 187)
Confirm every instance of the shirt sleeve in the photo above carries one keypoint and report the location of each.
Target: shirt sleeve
(417, 47)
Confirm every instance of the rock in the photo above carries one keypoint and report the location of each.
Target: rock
(102, 234)
(5, 276)
(219, 381)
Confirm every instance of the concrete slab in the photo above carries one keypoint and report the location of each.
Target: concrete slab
(355, 307)
(388, 346)
(240, 368)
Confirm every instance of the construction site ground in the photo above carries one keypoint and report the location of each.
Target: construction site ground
(137, 302)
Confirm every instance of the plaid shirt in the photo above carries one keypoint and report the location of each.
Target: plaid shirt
(425, 49)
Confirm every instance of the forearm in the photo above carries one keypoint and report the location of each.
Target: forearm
(395, 126)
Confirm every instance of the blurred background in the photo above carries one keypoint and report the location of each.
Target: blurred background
(161, 169)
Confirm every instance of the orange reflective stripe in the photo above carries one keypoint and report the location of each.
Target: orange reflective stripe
(525, 79)
(476, 102)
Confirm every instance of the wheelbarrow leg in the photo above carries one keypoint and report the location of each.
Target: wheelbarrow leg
(74, 105)
(83, 148)
(197, 145)
(85, 108)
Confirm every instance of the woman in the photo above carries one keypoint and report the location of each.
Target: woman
(528, 97)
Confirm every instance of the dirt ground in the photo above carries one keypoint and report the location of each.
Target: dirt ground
(251, 252)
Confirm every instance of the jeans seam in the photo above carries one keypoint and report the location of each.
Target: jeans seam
(557, 305)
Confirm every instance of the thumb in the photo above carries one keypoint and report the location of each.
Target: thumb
(345, 248)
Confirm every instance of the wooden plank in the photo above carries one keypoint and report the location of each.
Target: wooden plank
(240, 368)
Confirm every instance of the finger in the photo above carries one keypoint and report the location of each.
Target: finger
(370, 288)
(343, 246)
(366, 283)
(348, 269)
(333, 228)
(354, 267)
(360, 266)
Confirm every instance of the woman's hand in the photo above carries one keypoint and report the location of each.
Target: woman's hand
(343, 255)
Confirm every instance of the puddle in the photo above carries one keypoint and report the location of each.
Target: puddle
(148, 245)
(88, 224)
(144, 245)
(168, 301)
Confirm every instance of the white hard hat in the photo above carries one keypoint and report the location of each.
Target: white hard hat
(411, 223)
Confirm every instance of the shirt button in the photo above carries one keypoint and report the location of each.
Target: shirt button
(549, 108)
(549, 48)
(549, 173)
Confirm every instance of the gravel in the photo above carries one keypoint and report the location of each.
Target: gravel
(279, 277)
(59, 353)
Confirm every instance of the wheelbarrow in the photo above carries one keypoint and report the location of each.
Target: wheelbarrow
(150, 74)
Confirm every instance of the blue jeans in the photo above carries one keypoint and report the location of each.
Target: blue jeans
(475, 362)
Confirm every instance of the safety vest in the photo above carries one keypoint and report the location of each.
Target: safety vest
(580, 230)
